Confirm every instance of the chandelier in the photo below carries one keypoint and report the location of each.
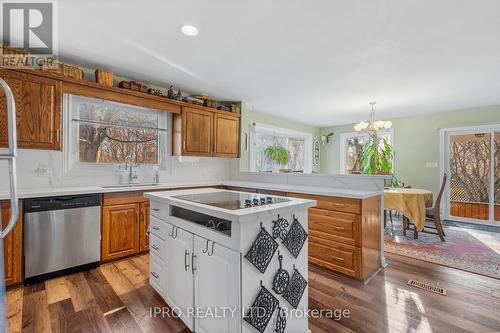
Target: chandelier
(372, 125)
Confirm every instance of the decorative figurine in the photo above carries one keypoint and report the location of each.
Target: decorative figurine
(178, 96)
(171, 93)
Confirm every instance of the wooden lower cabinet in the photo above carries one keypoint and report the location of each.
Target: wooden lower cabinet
(335, 256)
(345, 235)
(12, 247)
(120, 231)
(143, 230)
(125, 221)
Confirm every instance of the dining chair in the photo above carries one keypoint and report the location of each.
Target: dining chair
(432, 214)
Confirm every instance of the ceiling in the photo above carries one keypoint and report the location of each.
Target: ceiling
(316, 62)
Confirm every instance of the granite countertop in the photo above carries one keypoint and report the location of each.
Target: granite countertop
(317, 190)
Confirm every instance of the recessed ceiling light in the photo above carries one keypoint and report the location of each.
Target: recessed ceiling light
(189, 30)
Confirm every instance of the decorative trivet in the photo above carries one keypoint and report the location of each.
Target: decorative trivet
(262, 250)
(279, 228)
(295, 238)
(295, 288)
(280, 320)
(262, 309)
(281, 278)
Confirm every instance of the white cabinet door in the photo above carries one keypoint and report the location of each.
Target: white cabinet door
(179, 284)
(217, 287)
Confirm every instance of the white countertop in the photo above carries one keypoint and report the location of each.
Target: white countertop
(56, 191)
(318, 190)
(169, 197)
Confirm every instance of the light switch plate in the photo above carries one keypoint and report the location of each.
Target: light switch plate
(431, 165)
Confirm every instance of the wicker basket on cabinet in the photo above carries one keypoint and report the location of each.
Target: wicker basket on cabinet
(104, 77)
(64, 69)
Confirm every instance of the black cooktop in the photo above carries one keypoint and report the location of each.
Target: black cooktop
(232, 200)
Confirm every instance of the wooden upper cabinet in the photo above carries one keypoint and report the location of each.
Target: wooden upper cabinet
(38, 108)
(226, 136)
(202, 132)
(12, 247)
(120, 231)
(197, 132)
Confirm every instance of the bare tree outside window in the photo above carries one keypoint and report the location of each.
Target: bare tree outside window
(354, 148)
(497, 174)
(470, 168)
(108, 134)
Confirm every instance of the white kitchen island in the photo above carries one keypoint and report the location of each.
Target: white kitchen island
(207, 265)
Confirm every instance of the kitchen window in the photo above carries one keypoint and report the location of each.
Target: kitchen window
(105, 133)
(351, 147)
(298, 144)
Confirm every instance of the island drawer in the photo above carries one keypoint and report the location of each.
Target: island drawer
(158, 210)
(156, 273)
(348, 205)
(335, 256)
(159, 228)
(336, 226)
(156, 245)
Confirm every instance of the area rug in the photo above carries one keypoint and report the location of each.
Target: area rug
(470, 250)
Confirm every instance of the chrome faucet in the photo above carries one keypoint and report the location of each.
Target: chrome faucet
(130, 164)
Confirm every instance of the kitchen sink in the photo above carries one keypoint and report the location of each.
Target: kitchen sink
(129, 185)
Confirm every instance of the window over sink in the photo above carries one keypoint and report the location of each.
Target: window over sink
(105, 133)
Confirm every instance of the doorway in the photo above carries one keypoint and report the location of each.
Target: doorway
(472, 161)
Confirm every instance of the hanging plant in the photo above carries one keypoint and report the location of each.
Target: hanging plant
(277, 154)
(377, 156)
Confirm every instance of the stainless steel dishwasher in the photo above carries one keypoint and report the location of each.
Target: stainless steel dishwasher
(61, 235)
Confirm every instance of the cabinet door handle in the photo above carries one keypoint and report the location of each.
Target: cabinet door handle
(156, 276)
(155, 247)
(338, 258)
(339, 205)
(155, 209)
(186, 255)
(193, 256)
(339, 228)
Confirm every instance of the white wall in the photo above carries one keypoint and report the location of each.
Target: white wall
(42, 169)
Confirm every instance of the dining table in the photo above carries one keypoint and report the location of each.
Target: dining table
(411, 202)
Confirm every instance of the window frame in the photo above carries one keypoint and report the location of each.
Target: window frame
(348, 135)
(256, 127)
(71, 161)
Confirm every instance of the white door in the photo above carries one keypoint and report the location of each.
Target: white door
(217, 287)
(179, 284)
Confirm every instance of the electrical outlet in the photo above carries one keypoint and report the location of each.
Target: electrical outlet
(431, 165)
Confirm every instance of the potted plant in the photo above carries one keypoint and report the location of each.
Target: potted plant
(277, 154)
(377, 156)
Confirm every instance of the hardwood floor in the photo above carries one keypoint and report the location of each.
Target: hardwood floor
(116, 297)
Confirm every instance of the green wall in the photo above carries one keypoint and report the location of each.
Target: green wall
(416, 142)
(248, 116)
